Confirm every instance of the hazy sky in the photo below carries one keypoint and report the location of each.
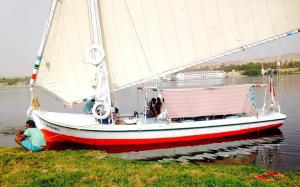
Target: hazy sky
(21, 27)
(22, 24)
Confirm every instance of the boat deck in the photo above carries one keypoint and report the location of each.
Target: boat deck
(88, 122)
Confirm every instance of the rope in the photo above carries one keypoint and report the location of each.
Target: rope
(90, 22)
(262, 64)
(190, 29)
(278, 67)
(135, 30)
(263, 77)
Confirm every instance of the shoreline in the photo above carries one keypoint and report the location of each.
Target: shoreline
(14, 82)
(96, 168)
(25, 83)
(18, 85)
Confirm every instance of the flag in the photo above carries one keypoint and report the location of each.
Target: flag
(271, 86)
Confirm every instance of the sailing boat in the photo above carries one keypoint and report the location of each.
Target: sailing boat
(93, 48)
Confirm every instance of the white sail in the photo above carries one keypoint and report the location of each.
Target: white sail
(147, 38)
(63, 70)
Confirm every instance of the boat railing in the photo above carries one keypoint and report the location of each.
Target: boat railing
(197, 118)
(268, 109)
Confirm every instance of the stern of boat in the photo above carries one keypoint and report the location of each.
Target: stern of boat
(277, 118)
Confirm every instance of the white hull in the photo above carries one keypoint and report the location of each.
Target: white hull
(81, 128)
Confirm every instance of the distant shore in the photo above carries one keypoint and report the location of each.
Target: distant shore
(24, 81)
(283, 71)
(252, 68)
(14, 82)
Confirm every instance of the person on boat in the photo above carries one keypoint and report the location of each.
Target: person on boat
(32, 138)
(151, 109)
(112, 116)
(158, 106)
(115, 112)
(161, 116)
(148, 112)
(162, 113)
(88, 106)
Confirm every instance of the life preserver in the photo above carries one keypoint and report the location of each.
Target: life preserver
(29, 112)
(101, 110)
(92, 59)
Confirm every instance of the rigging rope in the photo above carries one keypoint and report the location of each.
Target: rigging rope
(278, 64)
(262, 64)
(263, 77)
(90, 22)
(138, 37)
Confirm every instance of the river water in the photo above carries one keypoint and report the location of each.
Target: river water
(277, 149)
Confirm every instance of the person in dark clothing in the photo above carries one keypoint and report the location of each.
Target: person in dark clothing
(158, 106)
(151, 113)
(114, 114)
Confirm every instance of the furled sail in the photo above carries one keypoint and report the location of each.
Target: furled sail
(63, 70)
(148, 38)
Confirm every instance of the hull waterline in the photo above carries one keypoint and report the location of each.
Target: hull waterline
(56, 137)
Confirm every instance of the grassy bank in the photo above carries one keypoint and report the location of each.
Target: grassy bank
(65, 168)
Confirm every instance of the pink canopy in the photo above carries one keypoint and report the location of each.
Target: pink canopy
(207, 101)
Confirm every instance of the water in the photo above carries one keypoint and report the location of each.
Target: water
(276, 149)
(262, 150)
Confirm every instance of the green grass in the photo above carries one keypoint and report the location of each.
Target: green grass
(92, 168)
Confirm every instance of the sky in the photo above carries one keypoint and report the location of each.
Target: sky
(22, 24)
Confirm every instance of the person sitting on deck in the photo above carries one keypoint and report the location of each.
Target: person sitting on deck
(114, 114)
(88, 106)
(32, 139)
(151, 109)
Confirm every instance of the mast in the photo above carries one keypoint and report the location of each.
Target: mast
(70, 59)
(102, 92)
(34, 104)
(42, 46)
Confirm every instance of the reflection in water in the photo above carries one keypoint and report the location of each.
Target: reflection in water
(268, 157)
(261, 149)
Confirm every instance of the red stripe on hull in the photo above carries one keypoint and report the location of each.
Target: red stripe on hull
(52, 137)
